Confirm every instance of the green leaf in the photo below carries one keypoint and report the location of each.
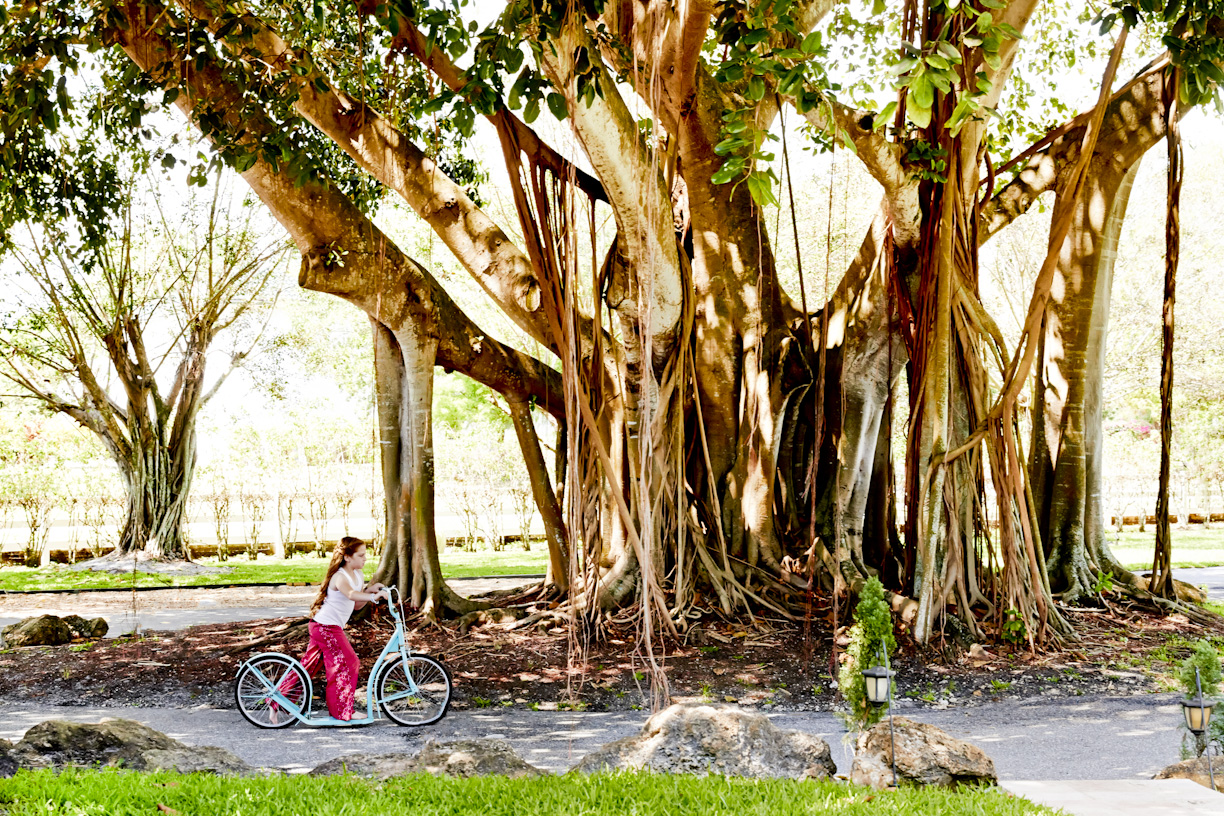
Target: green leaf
(730, 145)
(811, 43)
(170, 95)
(756, 89)
(532, 111)
(761, 190)
(729, 171)
(903, 67)
(556, 104)
(949, 50)
(922, 93)
(884, 116)
(920, 116)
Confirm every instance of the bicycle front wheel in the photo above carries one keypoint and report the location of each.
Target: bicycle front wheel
(414, 693)
(256, 703)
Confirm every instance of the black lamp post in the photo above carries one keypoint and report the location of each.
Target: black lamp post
(878, 680)
(1198, 717)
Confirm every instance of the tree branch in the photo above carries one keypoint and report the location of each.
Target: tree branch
(374, 274)
(478, 243)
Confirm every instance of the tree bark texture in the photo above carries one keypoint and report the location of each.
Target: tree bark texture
(1067, 455)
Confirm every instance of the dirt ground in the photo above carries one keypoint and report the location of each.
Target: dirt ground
(769, 665)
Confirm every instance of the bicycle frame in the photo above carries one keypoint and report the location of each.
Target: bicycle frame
(395, 645)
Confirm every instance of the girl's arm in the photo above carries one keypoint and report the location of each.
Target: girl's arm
(359, 597)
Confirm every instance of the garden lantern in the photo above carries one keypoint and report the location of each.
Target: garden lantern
(1198, 715)
(879, 682)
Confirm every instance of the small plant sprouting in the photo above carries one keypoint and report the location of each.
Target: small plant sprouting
(1014, 631)
(1000, 686)
(481, 702)
(871, 641)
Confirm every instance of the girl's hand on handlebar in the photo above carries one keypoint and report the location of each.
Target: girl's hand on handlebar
(383, 594)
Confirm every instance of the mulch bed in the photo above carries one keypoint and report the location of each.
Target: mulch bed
(769, 666)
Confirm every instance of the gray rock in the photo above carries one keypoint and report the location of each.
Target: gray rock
(705, 739)
(476, 757)
(926, 755)
(58, 743)
(8, 763)
(1195, 770)
(44, 630)
(462, 758)
(369, 766)
(204, 759)
(89, 629)
(126, 743)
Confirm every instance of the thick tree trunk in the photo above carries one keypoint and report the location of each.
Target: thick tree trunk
(395, 565)
(1067, 448)
(158, 481)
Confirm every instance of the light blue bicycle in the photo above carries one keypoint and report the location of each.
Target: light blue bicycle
(273, 690)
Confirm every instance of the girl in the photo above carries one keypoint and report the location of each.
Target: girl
(339, 596)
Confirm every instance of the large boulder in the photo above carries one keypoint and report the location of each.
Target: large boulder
(461, 758)
(89, 629)
(126, 743)
(926, 755)
(44, 630)
(703, 739)
(1195, 770)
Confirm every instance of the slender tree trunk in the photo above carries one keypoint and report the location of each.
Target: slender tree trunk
(545, 498)
(1162, 565)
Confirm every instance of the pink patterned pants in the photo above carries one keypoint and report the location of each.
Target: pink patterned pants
(340, 663)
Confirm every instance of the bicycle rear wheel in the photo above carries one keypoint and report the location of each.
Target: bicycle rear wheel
(416, 693)
(256, 703)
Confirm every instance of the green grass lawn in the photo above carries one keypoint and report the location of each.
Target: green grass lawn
(456, 563)
(1192, 547)
(119, 793)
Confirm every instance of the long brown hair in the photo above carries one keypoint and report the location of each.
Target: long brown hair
(343, 549)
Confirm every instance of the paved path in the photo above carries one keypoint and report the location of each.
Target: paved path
(180, 608)
(1210, 578)
(1108, 738)
(1152, 797)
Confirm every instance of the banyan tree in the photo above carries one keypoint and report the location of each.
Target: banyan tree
(725, 443)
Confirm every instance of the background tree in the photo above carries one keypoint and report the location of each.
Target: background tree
(117, 336)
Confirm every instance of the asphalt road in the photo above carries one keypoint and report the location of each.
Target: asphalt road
(1104, 738)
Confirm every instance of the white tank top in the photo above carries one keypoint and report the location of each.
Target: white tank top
(337, 607)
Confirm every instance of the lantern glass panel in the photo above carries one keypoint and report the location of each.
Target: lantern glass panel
(1198, 715)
